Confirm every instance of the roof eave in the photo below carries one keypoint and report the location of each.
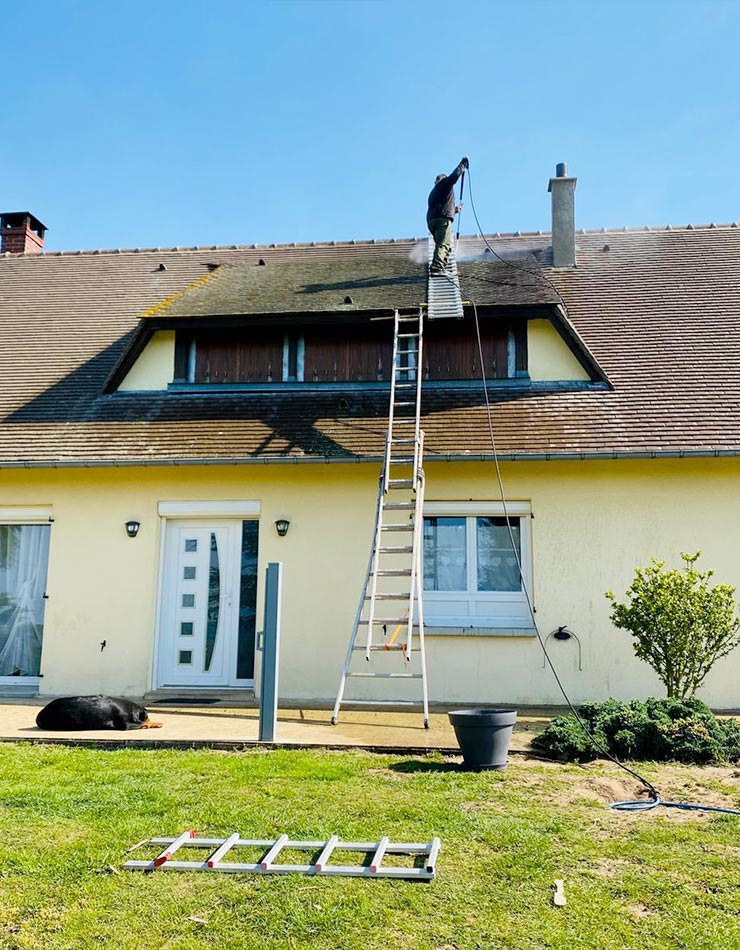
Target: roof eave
(615, 455)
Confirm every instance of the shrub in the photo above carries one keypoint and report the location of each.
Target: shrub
(681, 626)
(658, 729)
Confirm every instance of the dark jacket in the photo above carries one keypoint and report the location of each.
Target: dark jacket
(442, 197)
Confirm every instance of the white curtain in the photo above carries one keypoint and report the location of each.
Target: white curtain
(24, 556)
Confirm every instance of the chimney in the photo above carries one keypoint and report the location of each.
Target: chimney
(563, 217)
(21, 233)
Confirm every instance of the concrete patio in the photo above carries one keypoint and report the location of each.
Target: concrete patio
(226, 727)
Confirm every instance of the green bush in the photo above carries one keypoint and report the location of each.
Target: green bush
(680, 624)
(660, 730)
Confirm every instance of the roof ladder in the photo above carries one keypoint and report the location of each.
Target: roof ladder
(421, 863)
(389, 617)
(443, 290)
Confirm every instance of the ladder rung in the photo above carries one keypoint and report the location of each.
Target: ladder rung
(402, 460)
(386, 622)
(381, 702)
(397, 527)
(404, 402)
(404, 549)
(378, 647)
(403, 441)
(389, 596)
(398, 505)
(407, 336)
(387, 676)
(404, 422)
(400, 482)
(399, 572)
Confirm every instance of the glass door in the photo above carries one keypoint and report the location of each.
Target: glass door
(24, 559)
(207, 617)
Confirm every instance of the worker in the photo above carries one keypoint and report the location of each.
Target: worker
(440, 215)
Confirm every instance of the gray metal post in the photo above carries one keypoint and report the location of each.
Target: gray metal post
(270, 653)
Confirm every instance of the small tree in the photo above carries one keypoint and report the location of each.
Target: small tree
(681, 626)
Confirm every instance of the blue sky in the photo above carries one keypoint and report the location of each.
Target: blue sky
(179, 123)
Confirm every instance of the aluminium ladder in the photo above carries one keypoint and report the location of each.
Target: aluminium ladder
(391, 600)
(443, 293)
(269, 849)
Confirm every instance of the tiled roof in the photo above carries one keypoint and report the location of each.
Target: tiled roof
(659, 310)
(373, 282)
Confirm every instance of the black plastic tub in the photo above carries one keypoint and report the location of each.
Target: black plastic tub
(483, 736)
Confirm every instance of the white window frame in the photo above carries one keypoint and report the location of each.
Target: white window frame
(473, 612)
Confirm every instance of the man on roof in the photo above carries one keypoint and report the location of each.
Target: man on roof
(441, 213)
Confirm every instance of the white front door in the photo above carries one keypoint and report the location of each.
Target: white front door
(202, 638)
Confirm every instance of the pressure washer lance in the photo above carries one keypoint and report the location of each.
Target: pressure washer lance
(459, 214)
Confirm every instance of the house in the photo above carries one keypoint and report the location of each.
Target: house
(163, 409)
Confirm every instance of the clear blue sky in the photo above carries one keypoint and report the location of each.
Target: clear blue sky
(181, 122)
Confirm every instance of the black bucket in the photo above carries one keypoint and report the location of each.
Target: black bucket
(484, 736)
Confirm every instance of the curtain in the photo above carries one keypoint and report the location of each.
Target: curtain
(24, 555)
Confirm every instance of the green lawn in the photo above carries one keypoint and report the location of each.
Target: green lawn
(655, 880)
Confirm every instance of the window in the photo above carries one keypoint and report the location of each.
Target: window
(451, 352)
(471, 575)
(293, 357)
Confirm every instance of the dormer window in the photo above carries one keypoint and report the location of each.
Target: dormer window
(346, 353)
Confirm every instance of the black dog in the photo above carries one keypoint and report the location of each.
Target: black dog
(94, 712)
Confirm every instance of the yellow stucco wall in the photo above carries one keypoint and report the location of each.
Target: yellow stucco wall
(594, 522)
(548, 355)
(154, 369)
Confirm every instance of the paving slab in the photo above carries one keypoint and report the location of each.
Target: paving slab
(230, 727)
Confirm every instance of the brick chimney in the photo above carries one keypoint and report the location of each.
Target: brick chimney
(563, 190)
(21, 233)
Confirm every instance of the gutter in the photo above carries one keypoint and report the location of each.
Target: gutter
(377, 459)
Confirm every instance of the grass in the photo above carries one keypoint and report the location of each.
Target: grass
(658, 880)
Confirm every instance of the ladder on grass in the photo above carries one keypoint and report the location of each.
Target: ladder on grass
(389, 617)
(270, 848)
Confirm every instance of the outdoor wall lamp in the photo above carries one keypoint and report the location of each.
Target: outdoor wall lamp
(281, 526)
(563, 634)
(132, 528)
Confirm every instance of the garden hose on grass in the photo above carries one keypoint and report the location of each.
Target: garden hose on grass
(684, 806)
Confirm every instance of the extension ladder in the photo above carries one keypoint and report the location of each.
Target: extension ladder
(271, 848)
(390, 610)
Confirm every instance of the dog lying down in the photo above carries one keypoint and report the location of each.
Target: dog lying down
(73, 713)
